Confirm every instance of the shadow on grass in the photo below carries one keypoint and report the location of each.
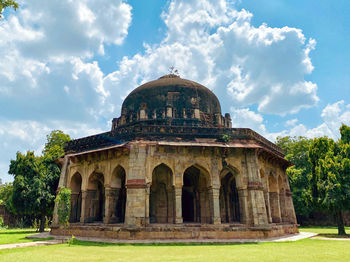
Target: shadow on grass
(77, 242)
(334, 236)
(17, 232)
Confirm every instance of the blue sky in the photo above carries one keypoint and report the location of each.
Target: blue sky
(278, 67)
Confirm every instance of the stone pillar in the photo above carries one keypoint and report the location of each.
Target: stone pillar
(83, 214)
(169, 112)
(108, 205)
(267, 204)
(255, 188)
(243, 205)
(196, 113)
(136, 200)
(147, 203)
(290, 207)
(214, 198)
(178, 205)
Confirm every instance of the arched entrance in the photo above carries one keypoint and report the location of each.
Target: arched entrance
(195, 195)
(229, 200)
(96, 198)
(161, 208)
(118, 195)
(266, 194)
(75, 186)
(282, 200)
(274, 200)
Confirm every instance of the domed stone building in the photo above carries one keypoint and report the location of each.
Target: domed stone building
(172, 167)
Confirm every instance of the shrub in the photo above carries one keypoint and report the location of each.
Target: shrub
(63, 205)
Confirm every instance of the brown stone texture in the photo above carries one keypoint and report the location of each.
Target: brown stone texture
(172, 167)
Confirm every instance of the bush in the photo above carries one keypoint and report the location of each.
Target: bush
(63, 205)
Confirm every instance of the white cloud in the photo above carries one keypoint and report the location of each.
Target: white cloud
(43, 71)
(245, 118)
(31, 135)
(291, 122)
(50, 80)
(210, 42)
(333, 116)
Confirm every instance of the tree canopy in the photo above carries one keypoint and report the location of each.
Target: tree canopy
(7, 3)
(320, 177)
(36, 178)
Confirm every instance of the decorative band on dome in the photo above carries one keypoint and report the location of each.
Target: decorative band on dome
(169, 76)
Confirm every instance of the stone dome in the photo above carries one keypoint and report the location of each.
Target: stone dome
(178, 101)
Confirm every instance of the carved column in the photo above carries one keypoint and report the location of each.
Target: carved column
(147, 204)
(178, 205)
(243, 204)
(290, 207)
(108, 205)
(214, 198)
(135, 211)
(83, 216)
(268, 206)
(255, 188)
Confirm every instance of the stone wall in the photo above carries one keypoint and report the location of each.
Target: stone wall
(169, 183)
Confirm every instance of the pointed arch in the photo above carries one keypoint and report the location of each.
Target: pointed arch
(195, 195)
(76, 197)
(95, 203)
(161, 208)
(282, 199)
(274, 199)
(229, 199)
(117, 195)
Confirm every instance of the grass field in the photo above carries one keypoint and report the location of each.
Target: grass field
(308, 250)
(304, 250)
(331, 232)
(10, 236)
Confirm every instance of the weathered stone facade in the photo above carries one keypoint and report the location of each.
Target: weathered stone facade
(176, 177)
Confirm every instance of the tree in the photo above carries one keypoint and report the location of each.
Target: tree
(7, 3)
(6, 191)
(296, 151)
(36, 178)
(331, 175)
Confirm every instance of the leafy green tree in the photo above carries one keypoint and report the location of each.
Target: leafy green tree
(36, 178)
(7, 3)
(6, 191)
(331, 175)
(296, 151)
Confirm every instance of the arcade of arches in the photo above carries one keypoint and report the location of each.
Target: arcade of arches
(192, 194)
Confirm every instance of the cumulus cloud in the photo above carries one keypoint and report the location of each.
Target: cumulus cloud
(291, 122)
(211, 42)
(44, 71)
(333, 116)
(50, 79)
(31, 135)
(244, 117)
(48, 76)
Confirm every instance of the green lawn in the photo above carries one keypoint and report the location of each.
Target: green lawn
(304, 250)
(323, 230)
(10, 236)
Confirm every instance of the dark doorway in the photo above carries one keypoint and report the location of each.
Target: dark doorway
(119, 195)
(75, 186)
(195, 197)
(229, 200)
(161, 209)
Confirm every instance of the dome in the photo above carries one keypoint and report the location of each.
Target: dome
(177, 100)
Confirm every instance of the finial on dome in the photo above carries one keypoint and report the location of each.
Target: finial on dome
(173, 71)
